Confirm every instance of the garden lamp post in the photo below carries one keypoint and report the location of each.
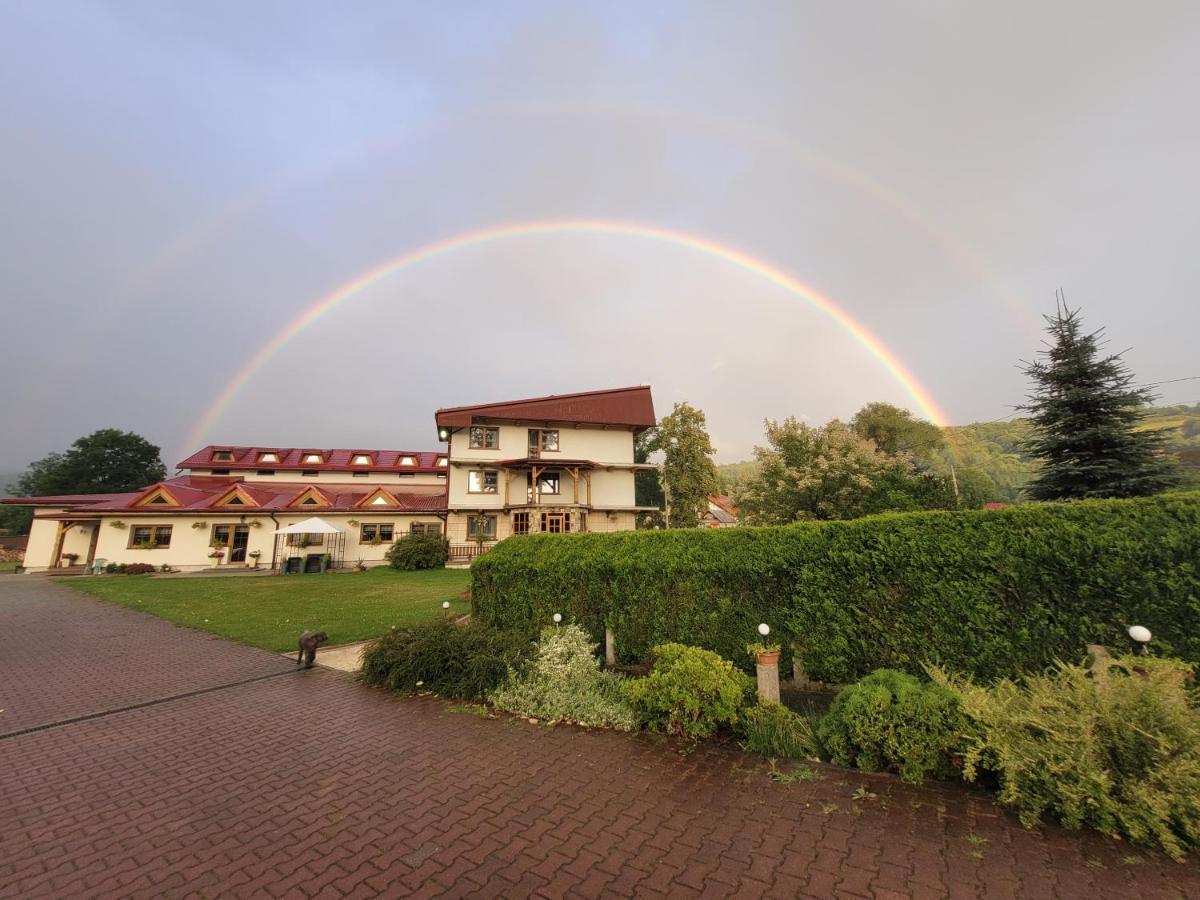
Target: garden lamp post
(557, 617)
(766, 665)
(1140, 635)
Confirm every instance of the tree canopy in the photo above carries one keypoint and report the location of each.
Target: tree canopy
(689, 476)
(824, 472)
(108, 461)
(895, 430)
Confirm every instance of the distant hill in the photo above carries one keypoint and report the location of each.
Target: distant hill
(995, 448)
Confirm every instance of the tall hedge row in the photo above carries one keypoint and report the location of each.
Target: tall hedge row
(988, 593)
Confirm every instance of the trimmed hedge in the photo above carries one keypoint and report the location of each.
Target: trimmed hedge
(989, 593)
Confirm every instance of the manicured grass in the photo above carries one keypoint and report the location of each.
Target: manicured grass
(271, 612)
(7, 565)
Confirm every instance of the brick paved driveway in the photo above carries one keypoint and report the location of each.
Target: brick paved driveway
(307, 784)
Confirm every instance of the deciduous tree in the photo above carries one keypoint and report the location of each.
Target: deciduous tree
(826, 472)
(108, 461)
(689, 476)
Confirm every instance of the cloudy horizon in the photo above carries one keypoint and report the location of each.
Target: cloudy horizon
(183, 182)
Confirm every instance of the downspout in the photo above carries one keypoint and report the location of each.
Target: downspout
(274, 541)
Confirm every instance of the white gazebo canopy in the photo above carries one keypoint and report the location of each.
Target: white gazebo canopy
(314, 525)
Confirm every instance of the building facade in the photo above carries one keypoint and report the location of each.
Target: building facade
(550, 464)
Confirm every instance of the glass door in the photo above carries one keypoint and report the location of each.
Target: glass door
(241, 537)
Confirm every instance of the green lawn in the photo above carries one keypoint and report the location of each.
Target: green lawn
(7, 565)
(270, 612)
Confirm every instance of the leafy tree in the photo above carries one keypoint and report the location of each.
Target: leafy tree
(647, 485)
(826, 472)
(1085, 414)
(688, 471)
(108, 461)
(895, 430)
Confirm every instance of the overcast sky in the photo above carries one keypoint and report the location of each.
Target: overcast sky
(179, 181)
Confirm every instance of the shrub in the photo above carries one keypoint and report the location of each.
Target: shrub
(1116, 749)
(689, 692)
(456, 661)
(774, 730)
(419, 551)
(563, 683)
(140, 568)
(890, 721)
(989, 592)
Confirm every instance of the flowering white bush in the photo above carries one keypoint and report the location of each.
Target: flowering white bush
(564, 683)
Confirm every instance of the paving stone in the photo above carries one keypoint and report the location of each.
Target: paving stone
(311, 785)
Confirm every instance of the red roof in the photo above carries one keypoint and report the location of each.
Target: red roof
(61, 499)
(335, 460)
(630, 406)
(196, 493)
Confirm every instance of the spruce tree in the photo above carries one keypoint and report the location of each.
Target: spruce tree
(1085, 413)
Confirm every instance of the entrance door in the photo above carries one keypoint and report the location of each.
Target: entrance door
(241, 537)
(556, 523)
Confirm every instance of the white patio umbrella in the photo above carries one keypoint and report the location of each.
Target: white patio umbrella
(314, 525)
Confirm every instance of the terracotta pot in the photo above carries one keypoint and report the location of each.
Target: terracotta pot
(767, 657)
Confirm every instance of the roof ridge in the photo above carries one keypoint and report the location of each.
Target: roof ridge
(618, 390)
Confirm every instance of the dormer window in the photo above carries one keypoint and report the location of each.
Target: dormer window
(222, 456)
(268, 456)
(407, 461)
(361, 459)
(441, 461)
(314, 459)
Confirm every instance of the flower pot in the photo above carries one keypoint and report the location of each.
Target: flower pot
(767, 657)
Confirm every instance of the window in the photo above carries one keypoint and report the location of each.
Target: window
(407, 461)
(520, 523)
(484, 438)
(361, 459)
(221, 535)
(441, 461)
(542, 440)
(310, 501)
(235, 500)
(309, 473)
(314, 459)
(268, 456)
(361, 474)
(157, 535)
(222, 456)
(485, 523)
(266, 471)
(409, 475)
(382, 531)
(160, 500)
(441, 474)
(433, 529)
(548, 483)
(220, 471)
(483, 481)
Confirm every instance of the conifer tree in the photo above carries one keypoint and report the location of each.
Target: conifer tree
(1085, 413)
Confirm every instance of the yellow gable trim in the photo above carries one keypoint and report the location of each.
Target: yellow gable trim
(376, 496)
(311, 494)
(227, 498)
(158, 496)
